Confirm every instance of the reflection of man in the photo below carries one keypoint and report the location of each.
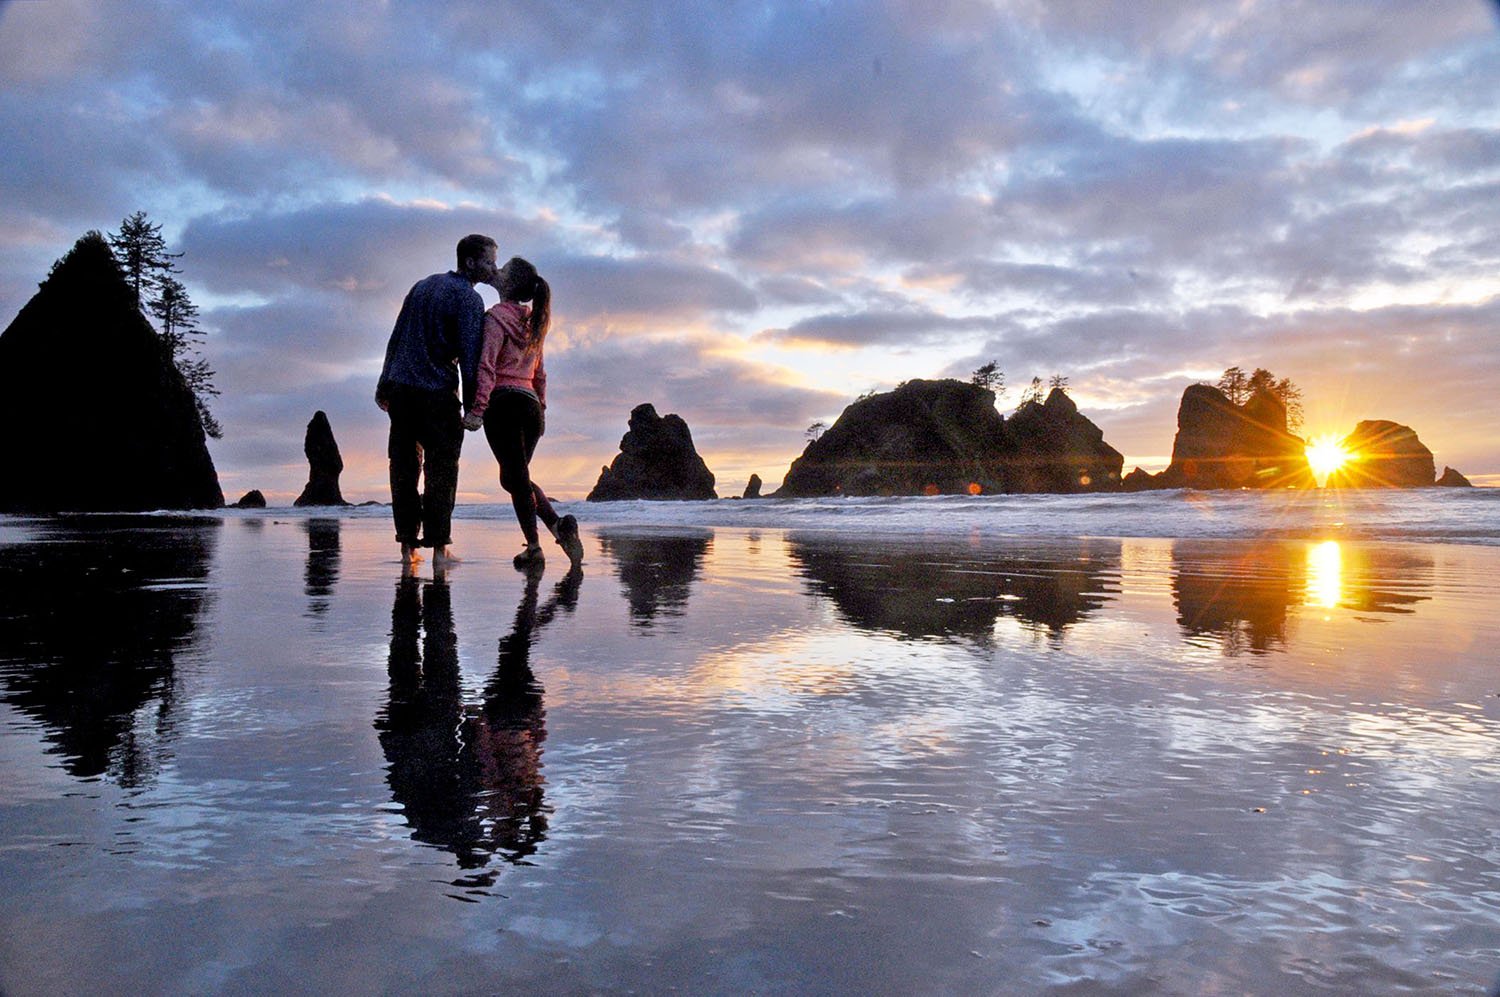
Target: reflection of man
(437, 335)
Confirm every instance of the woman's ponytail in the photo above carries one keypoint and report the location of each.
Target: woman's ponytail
(541, 310)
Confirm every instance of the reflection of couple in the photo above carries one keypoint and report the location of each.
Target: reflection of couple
(468, 776)
(442, 331)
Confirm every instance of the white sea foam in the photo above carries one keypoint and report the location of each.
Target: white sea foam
(1429, 515)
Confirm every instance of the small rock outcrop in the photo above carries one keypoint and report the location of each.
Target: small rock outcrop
(656, 461)
(253, 499)
(94, 415)
(1057, 449)
(752, 487)
(1452, 479)
(1138, 480)
(324, 464)
(1223, 445)
(1386, 455)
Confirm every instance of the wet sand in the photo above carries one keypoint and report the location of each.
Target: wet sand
(247, 755)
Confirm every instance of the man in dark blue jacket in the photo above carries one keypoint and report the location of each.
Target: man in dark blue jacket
(437, 337)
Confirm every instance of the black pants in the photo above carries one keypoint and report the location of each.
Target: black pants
(513, 425)
(427, 433)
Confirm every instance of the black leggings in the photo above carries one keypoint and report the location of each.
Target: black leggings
(512, 425)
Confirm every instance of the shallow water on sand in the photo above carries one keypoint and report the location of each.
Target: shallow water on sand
(245, 754)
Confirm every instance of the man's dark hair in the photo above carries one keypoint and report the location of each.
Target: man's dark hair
(471, 246)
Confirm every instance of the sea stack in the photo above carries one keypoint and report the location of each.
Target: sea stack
(324, 464)
(94, 415)
(1452, 479)
(1223, 445)
(1057, 449)
(1386, 455)
(925, 437)
(945, 437)
(656, 461)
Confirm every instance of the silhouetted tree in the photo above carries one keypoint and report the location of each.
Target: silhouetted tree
(1284, 389)
(1236, 385)
(142, 253)
(1033, 393)
(1239, 386)
(1058, 383)
(990, 377)
(815, 430)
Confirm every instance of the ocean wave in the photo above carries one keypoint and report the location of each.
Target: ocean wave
(1434, 515)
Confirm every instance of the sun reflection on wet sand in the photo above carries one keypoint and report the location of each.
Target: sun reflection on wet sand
(1325, 564)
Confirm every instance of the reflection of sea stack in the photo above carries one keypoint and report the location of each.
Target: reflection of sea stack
(1386, 455)
(1223, 445)
(323, 553)
(324, 464)
(656, 461)
(1241, 598)
(98, 609)
(657, 570)
(94, 415)
(921, 592)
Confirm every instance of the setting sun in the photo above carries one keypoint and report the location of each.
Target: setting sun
(1326, 454)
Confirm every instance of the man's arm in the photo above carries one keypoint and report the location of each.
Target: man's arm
(470, 341)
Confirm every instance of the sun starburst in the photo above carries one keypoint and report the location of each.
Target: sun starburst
(1326, 454)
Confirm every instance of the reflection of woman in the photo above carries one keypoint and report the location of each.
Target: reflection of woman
(468, 776)
(507, 731)
(511, 397)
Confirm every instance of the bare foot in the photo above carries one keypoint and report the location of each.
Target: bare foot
(444, 556)
(410, 554)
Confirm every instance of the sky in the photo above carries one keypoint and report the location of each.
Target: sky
(752, 213)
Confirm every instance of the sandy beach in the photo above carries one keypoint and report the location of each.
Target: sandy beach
(245, 754)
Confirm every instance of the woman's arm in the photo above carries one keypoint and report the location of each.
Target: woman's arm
(489, 358)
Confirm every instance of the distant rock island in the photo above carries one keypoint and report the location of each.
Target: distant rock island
(324, 464)
(253, 499)
(94, 416)
(657, 460)
(945, 437)
(1452, 479)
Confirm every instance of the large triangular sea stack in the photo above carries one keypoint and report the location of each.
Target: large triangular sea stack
(93, 414)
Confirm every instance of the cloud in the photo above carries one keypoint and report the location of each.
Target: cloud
(871, 328)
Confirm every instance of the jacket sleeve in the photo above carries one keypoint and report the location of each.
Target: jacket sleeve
(489, 355)
(470, 341)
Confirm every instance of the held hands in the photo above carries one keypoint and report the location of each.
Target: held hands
(473, 421)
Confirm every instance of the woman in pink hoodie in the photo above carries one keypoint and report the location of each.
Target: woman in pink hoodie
(510, 398)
